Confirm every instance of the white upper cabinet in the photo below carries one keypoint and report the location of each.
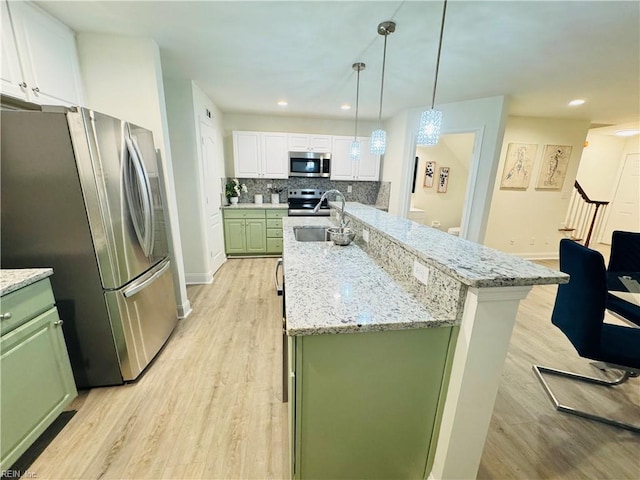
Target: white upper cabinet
(343, 168)
(260, 155)
(300, 142)
(11, 74)
(47, 54)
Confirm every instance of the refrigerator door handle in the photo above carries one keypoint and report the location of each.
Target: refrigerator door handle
(150, 215)
(142, 284)
(141, 225)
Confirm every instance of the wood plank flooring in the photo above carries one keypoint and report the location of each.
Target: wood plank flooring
(210, 405)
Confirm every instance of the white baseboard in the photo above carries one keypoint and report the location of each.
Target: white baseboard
(184, 310)
(198, 278)
(539, 256)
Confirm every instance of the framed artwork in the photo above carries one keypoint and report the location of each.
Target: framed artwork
(443, 181)
(429, 173)
(518, 166)
(554, 167)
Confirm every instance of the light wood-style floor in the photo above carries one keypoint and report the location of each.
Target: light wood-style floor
(210, 405)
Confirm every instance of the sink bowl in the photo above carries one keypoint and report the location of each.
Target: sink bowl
(310, 234)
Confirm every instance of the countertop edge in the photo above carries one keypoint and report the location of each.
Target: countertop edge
(15, 279)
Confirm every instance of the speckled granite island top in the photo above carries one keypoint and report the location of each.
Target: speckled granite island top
(333, 289)
(241, 206)
(13, 279)
(471, 263)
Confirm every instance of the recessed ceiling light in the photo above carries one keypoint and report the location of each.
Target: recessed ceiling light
(576, 102)
(345, 106)
(627, 133)
(283, 103)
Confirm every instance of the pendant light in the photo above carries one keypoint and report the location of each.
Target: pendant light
(354, 151)
(379, 136)
(431, 120)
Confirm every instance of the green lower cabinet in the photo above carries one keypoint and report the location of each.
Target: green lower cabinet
(253, 232)
(36, 383)
(367, 405)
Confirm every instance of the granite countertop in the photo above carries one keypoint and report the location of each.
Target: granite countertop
(14, 279)
(471, 263)
(333, 289)
(257, 205)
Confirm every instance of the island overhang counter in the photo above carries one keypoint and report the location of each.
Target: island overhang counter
(395, 347)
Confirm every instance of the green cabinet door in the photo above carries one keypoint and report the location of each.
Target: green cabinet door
(36, 383)
(234, 237)
(256, 235)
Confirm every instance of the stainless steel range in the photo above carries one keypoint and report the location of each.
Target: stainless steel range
(302, 201)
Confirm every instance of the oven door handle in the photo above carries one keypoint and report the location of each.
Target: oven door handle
(275, 278)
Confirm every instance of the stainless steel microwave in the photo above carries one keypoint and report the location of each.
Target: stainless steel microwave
(309, 164)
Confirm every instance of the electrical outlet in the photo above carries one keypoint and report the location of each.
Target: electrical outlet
(532, 241)
(349, 189)
(269, 185)
(512, 242)
(365, 235)
(546, 240)
(421, 272)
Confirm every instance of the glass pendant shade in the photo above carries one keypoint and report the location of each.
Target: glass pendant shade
(378, 142)
(429, 128)
(354, 151)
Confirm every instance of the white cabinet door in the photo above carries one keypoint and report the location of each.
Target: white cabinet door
(246, 154)
(320, 143)
(12, 79)
(298, 142)
(342, 167)
(48, 56)
(275, 155)
(369, 164)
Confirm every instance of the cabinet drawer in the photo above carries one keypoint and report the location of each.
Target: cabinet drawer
(274, 245)
(25, 304)
(248, 213)
(282, 212)
(274, 223)
(274, 233)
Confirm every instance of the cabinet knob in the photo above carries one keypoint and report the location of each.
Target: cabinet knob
(58, 323)
(35, 89)
(22, 85)
(6, 316)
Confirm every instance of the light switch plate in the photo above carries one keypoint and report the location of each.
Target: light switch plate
(421, 272)
(349, 189)
(365, 235)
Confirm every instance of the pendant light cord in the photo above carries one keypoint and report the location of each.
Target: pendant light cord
(355, 134)
(384, 60)
(435, 83)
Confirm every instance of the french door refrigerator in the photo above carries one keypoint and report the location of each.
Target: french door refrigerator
(81, 194)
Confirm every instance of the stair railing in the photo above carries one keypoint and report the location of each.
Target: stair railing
(584, 216)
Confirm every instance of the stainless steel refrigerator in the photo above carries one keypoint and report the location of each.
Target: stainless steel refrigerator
(81, 193)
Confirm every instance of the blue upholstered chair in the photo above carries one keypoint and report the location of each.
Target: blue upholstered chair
(579, 312)
(625, 252)
(624, 261)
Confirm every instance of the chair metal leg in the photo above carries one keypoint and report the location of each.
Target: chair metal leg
(573, 411)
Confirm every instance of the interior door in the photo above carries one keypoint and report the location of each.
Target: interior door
(624, 211)
(212, 197)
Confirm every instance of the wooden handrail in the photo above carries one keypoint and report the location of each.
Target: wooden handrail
(585, 197)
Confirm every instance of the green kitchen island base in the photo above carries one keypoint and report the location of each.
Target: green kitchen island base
(367, 405)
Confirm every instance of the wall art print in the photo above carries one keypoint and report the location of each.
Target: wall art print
(553, 170)
(429, 173)
(443, 181)
(518, 166)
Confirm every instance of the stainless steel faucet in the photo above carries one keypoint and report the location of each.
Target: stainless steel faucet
(324, 195)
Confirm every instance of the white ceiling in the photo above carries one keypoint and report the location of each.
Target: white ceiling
(248, 55)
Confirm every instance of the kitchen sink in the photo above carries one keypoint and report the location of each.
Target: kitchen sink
(310, 234)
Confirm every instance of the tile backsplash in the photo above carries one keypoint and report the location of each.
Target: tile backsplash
(363, 192)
